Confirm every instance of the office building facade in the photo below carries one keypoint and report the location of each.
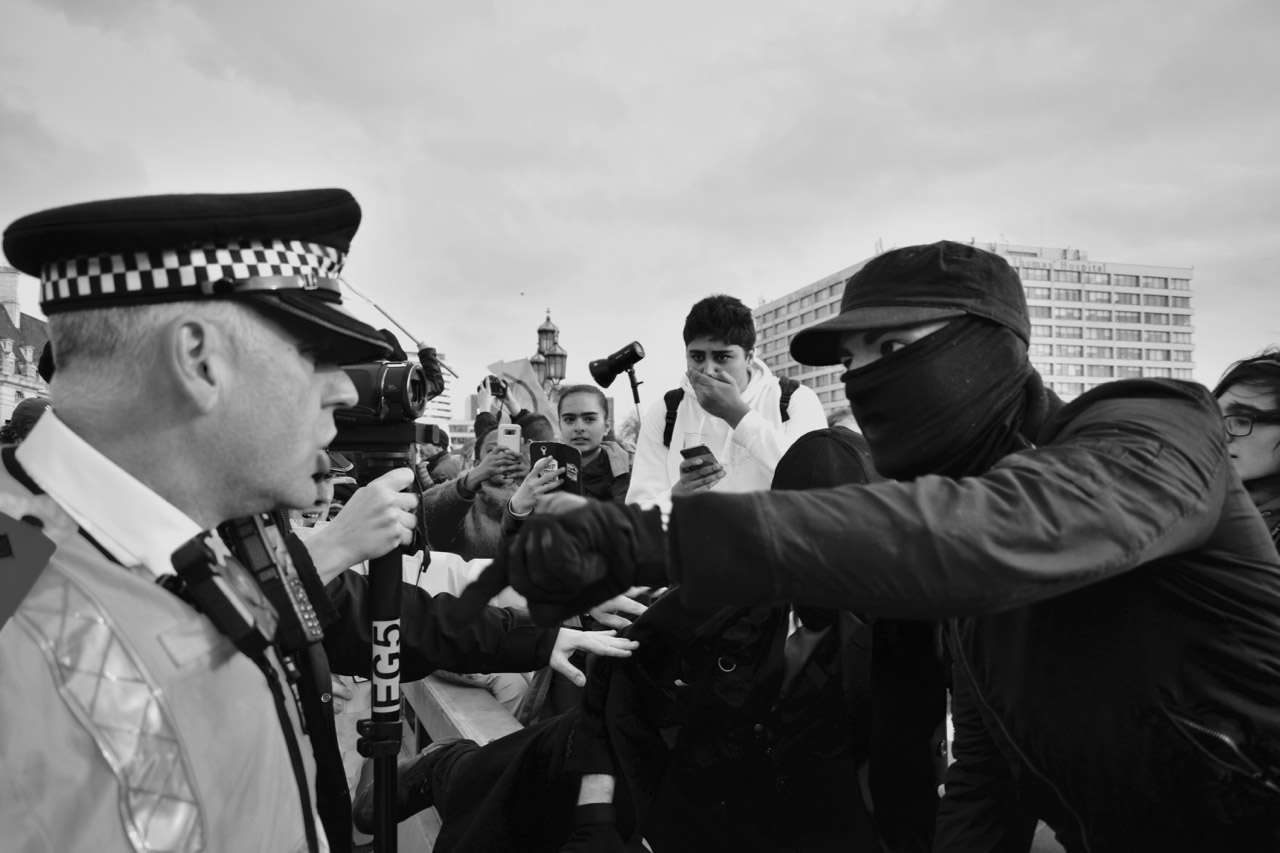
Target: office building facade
(1091, 321)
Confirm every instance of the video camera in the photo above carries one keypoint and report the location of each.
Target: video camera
(379, 431)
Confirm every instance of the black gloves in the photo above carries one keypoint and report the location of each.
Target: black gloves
(566, 564)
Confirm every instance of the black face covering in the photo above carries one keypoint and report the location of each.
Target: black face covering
(952, 403)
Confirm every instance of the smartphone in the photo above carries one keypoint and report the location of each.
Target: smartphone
(700, 450)
(509, 437)
(567, 457)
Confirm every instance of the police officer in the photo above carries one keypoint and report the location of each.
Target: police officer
(197, 339)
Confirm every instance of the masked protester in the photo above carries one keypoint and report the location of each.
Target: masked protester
(1113, 592)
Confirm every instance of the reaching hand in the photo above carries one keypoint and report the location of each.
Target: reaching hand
(565, 564)
(570, 640)
(607, 613)
(718, 395)
(543, 478)
(376, 520)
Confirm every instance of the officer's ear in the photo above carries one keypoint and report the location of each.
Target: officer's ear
(195, 357)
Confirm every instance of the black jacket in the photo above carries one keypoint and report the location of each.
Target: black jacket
(1117, 644)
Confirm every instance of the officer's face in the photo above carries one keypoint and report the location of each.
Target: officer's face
(283, 400)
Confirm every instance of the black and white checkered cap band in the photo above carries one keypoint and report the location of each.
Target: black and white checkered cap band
(168, 273)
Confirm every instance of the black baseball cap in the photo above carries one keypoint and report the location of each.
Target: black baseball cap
(280, 252)
(824, 459)
(915, 285)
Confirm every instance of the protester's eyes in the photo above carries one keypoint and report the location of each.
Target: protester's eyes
(723, 358)
(696, 356)
(890, 347)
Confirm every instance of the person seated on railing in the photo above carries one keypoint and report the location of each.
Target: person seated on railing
(742, 728)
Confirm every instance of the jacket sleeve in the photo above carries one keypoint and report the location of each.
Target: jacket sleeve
(766, 441)
(1125, 482)
(444, 509)
(650, 480)
(500, 639)
(980, 809)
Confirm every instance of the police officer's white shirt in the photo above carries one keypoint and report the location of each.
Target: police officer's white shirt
(134, 524)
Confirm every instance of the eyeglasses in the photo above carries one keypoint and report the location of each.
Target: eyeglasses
(1239, 425)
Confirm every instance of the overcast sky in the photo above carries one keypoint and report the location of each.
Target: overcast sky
(615, 162)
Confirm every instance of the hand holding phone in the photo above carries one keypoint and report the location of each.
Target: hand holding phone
(694, 452)
(509, 437)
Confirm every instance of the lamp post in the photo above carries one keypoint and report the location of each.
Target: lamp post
(550, 360)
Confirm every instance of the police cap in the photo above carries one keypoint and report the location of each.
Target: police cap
(280, 252)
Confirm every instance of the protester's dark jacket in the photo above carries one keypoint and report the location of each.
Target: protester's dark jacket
(1117, 659)
(1269, 507)
(711, 756)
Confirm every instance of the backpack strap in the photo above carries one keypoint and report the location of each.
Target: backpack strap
(672, 398)
(788, 387)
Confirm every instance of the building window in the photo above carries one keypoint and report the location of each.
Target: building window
(1066, 275)
(1181, 302)
(1156, 337)
(821, 310)
(1157, 355)
(1155, 300)
(1067, 313)
(1158, 372)
(1128, 317)
(793, 322)
(1064, 295)
(1181, 373)
(1068, 351)
(1070, 370)
(1068, 332)
(1128, 298)
(1099, 352)
(1156, 319)
(1072, 388)
(1181, 319)
(1105, 371)
(1181, 355)
(1041, 331)
(1180, 337)
(836, 289)
(1037, 292)
(1044, 368)
(1128, 334)
(1097, 334)
(1156, 282)
(1094, 278)
(1038, 312)
(1097, 316)
(1129, 353)
(1033, 275)
(806, 300)
(1126, 372)
(1180, 284)
(806, 318)
(1124, 280)
(1040, 349)
(1097, 296)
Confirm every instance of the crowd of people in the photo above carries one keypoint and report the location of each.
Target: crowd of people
(954, 612)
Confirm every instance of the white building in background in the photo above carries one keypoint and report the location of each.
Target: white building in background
(22, 339)
(1091, 321)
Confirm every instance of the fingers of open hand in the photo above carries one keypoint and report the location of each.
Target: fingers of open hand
(608, 643)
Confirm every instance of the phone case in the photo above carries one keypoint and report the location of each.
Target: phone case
(567, 457)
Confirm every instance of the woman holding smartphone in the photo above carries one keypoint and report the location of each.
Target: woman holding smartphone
(585, 425)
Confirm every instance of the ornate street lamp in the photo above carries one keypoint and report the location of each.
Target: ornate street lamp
(550, 360)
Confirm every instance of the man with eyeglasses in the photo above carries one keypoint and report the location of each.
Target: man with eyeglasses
(1113, 594)
(1249, 396)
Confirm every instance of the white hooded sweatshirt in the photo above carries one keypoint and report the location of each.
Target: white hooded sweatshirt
(749, 452)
